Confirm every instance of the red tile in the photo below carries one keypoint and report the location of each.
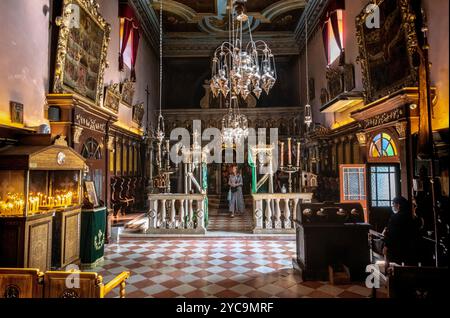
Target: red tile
(228, 283)
(172, 283)
(227, 294)
(166, 294)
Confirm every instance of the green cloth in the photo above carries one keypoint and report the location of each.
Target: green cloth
(93, 234)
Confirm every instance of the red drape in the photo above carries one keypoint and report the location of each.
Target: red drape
(331, 15)
(127, 28)
(136, 39)
(131, 28)
(335, 25)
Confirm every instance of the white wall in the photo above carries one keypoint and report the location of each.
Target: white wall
(24, 58)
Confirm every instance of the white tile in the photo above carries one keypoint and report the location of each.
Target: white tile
(242, 289)
(183, 289)
(212, 289)
(161, 278)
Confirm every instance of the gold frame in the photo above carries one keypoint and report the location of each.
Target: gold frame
(408, 23)
(129, 86)
(113, 91)
(91, 7)
(138, 119)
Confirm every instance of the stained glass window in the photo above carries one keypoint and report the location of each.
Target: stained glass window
(383, 146)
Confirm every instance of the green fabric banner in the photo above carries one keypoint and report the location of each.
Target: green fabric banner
(93, 234)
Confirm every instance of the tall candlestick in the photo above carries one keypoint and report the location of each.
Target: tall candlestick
(168, 153)
(298, 154)
(159, 155)
(290, 151)
(282, 154)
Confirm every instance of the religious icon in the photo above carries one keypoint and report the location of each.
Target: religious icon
(16, 113)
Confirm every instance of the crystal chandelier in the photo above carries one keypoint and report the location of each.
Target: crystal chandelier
(160, 131)
(242, 68)
(308, 112)
(234, 125)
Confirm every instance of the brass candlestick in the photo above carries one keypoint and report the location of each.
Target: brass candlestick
(290, 170)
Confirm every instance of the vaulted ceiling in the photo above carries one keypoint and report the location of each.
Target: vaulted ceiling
(211, 16)
(194, 28)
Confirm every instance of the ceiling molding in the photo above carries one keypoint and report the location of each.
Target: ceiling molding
(313, 13)
(280, 7)
(148, 20)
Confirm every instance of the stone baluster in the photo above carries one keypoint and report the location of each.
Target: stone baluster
(182, 221)
(152, 214)
(200, 214)
(294, 210)
(173, 213)
(287, 214)
(162, 221)
(268, 222)
(277, 214)
(258, 214)
(190, 221)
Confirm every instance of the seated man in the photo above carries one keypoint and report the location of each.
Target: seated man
(401, 235)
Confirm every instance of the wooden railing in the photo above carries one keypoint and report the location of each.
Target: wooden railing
(176, 214)
(274, 212)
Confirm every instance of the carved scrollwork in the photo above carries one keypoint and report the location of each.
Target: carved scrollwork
(90, 10)
(390, 34)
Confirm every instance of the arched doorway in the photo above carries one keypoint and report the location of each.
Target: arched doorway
(93, 153)
(383, 178)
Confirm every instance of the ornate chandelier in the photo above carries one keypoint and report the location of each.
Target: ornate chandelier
(308, 111)
(160, 131)
(234, 125)
(238, 68)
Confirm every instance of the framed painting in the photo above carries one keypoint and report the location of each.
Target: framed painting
(82, 50)
(112, 98)
(138, 113)
(16, 111)
(386, 53)
(91, 193)
(127, 93)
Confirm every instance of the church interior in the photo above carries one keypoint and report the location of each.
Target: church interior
(224, 149)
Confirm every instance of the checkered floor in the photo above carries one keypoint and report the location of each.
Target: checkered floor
(225, 268)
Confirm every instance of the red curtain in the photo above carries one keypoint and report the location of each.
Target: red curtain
(335, 25)
(331, 15)
(131, 28)
(136, 39)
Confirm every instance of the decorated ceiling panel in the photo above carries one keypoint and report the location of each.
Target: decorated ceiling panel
(211, 16)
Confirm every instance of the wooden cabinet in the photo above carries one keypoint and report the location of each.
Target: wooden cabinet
(66, 238)
(26, 242)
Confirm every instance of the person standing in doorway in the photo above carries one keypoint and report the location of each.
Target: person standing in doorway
(237, 198)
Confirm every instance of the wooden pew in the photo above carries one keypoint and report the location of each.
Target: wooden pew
(21, 283)
(86, 285)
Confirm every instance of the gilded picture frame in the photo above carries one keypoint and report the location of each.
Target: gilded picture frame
(91, 193)
(81, 57)
(138, 113)
(112, 98)
(128, 89)
(382, 50)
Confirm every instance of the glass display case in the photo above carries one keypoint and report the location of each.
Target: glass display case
(40, 206)
(27, 193)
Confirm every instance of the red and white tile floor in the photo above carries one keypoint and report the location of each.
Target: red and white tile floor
(225, 268)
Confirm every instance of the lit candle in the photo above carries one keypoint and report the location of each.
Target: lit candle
(290, 151)
(282, 154)
(298, 154)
